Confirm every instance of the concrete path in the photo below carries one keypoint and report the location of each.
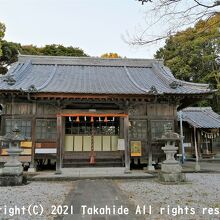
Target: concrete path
(189, 166)
(69, 174)
(101, 194)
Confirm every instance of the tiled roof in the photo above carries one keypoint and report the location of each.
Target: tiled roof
(203, 117)
(95, 76)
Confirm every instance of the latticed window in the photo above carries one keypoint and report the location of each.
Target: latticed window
(23, 124)
(46, 129)
(158, 127)
(138, 129)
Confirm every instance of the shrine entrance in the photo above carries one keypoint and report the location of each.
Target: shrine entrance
(81, 132)
(92, 139)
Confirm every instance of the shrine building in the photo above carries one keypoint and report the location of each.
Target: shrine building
(92, 111)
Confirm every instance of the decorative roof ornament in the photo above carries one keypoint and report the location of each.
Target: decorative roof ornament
(174, 84)
(153, 90)
(32, 88)
(10, 80)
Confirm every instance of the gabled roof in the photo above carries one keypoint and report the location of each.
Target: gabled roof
(201, 117)
(95, 76)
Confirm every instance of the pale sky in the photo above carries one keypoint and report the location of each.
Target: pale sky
(96, 26)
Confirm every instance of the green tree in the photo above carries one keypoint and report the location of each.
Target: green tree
(52, 50)
(191, 54)
(9, 55)
(60, 50)
(29, 50)
(10, 51)
(2, 34)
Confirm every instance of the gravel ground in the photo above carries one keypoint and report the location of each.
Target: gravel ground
(43, 193)
(200, 192)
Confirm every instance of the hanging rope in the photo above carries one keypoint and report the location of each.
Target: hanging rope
(210, 135)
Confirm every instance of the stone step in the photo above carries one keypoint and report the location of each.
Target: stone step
(101, 162)
(97, 164)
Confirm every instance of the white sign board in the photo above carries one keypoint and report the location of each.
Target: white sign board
(121, 144)
(46, 151)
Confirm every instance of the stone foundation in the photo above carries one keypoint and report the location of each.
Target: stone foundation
(172, 177)
(171, 167)
(9, 180)
(12, 170)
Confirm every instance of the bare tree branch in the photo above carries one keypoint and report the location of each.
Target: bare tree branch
(171, 16)
(216, 3)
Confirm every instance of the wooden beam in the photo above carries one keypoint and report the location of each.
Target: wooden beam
(89, 96)
(92, 114)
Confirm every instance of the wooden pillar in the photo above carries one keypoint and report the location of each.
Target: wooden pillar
(150, 167)
(32, 167)
(121, 136)
(195, 144)
(181, 136)
(33, 139)
(121, 128)
(62, 139)
(59, 145)
(211, 145)
(206, 145)
(127, 147)
(199, 143)
(197, 167)
(192, 141)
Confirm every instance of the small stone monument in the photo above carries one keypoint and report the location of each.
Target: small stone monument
(171, 171)
(12, 173)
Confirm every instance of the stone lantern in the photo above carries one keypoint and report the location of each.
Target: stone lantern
(171, 170)
(12, 173)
